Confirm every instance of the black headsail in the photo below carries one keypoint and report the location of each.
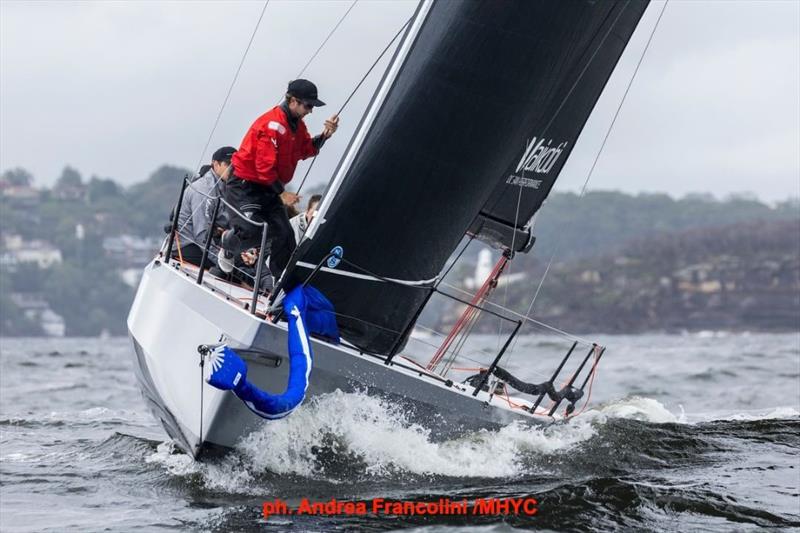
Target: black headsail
(478, 91)
(573, 62)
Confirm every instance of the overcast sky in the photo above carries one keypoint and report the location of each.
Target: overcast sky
(116, 89)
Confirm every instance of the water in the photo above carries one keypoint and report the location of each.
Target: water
(692, 432)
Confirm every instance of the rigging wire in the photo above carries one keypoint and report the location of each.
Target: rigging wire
(463, 249)
(336, 27)
(525, 318)
(462, 340)
(222, 108)
(219, 115)
(513, 249)
(353, 92)
(594, 164)
(233, 82)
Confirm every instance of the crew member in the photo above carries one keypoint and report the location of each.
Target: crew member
(301, 221)
(263, 165)
(198, 206)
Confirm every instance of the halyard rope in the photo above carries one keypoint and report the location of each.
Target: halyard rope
(353, 92)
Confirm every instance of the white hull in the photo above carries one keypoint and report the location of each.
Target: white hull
(172, 315)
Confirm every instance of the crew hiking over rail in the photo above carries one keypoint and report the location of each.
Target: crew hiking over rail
(263, 165)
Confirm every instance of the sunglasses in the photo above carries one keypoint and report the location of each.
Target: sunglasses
(305, 104)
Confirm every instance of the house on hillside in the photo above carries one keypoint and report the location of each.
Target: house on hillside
(36, 308)
(70, 192)
(23, 196)
(130, 251)
(19, 252)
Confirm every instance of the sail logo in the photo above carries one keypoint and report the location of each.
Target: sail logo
(523, 182)
(335, 257)
(540, 157)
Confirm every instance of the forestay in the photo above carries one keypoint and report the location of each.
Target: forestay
(483, 99)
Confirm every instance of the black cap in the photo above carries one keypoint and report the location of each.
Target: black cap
(224, 154)
(305, 91)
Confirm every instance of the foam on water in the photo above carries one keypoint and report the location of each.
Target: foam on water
(91, 415)
(775, 413)
(375, 439)
(653, 411)
(771, 414)
(228, 475)
(638, 408)
(378, 435)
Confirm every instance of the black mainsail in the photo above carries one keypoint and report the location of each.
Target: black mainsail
(467, 133)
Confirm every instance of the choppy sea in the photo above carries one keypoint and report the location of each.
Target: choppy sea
(694, 432)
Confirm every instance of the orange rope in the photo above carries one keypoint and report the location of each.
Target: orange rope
(521, 406)
(180, 254)
(470, 313)
(508, 398)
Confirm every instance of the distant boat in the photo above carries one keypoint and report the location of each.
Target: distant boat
(473, 121)
(483, 269)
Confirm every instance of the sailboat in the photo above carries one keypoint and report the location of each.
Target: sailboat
(463, 140)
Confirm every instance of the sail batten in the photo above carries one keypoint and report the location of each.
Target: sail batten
(469, 130)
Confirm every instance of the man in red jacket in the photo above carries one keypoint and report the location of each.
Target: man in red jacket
(262, 166)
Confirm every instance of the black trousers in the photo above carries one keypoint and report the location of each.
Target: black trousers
(260, 204)
(191, 253)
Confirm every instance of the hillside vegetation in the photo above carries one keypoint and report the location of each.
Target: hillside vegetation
(621, 264)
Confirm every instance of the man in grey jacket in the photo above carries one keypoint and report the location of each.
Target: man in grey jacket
(300, 222)
(198, 206)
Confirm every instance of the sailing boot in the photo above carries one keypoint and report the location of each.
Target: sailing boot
(230, 244)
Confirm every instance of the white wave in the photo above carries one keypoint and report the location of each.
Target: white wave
(372, 436)
(776, 413)
(650, 410)
(381, 437)
(375, 438)
(90, 415)
(771, 413)
(635, 408)
(711, 334)
(18, 458)
(228, 474)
